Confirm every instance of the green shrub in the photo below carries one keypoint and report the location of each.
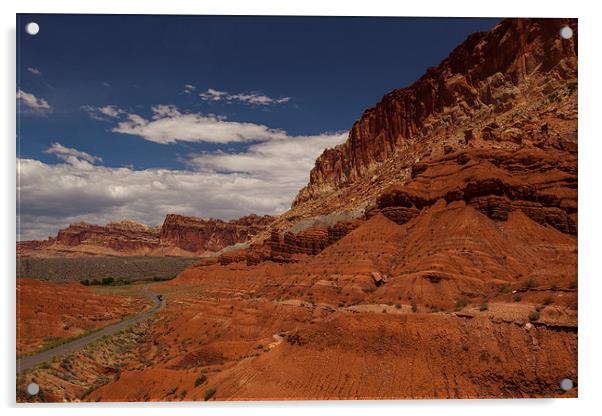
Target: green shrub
(530, 283)
(107, 280)
(484, 307)
(200, 380)
(517, 297)
(209, 393)
(461, 303)
(414, 307)
(183, 394)
(534, 316)
(505, 288)
(95, 282)
(85, 282)
(172, 390)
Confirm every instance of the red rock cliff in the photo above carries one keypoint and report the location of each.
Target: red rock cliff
(196, 234)
(519, 61)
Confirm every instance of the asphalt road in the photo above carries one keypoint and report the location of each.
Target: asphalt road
(30, 361)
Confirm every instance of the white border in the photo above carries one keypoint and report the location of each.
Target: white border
(590, 232)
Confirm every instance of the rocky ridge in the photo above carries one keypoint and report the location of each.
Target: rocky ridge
(178, 235)
(500, 111)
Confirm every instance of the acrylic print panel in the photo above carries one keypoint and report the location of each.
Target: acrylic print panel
(273, 208)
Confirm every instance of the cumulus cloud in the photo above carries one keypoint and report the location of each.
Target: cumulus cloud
(253, 98)
(34, 71)
(285, 160)
(103, 113)
(263, 180)
(32, 103)
(168, 125)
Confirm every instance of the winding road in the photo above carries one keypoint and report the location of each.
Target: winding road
(30, 361)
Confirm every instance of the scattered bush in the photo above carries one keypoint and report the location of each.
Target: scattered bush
(484, 307)
(517, 297)
(209, 393)
(172, 390)
(183, 394)
(461, 303)
(414, 307)
(534, 316)
(530, 283)
(397, 306)
(107, 280)
(505, 288)
(200, 380)
(85, 282)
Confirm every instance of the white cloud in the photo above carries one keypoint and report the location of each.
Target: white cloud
(284, 160)
(70, 155)
(188, 89)
(253, 98)
(34, 71)
(263, 180)
(168, 125)
(33, 103)
(103, 113)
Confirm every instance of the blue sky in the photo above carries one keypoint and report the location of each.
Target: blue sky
(206, 108)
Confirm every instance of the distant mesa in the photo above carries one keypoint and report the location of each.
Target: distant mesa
(178, 236)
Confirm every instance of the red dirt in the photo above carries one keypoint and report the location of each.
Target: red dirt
(48, 311)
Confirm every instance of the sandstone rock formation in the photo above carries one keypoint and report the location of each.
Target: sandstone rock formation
(195, 234)
(178, 235)
(510, 90)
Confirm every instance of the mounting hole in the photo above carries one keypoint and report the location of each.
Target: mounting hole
(566, 384)
(32, 28)
(33, 389)
(566, 32)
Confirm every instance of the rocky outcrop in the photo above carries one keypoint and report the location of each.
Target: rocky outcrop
(119, 236)
(542, 184)
(289, 246)
(511, 87)
(196, 234)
